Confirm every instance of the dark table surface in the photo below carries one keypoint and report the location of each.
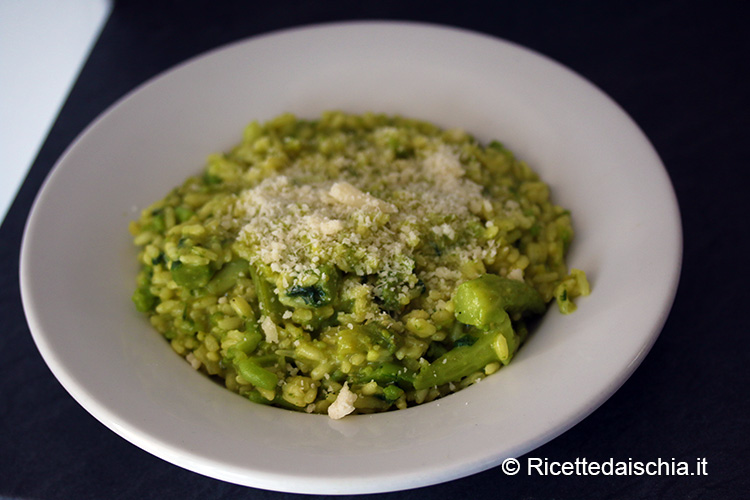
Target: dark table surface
(680, 69)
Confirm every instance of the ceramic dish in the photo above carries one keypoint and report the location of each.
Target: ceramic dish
(78, 262)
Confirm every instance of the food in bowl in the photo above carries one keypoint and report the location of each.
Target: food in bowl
(353, 263)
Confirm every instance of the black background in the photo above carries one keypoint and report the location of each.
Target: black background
(680, 69)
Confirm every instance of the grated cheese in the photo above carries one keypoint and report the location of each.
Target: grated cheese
(344, 403)
(371, 223)
(270, 330)
(516, 274)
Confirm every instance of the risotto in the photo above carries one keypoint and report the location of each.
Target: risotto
(353, 263)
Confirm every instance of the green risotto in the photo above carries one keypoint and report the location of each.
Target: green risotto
(353, 263)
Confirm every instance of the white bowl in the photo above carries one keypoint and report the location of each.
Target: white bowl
(78, 263)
